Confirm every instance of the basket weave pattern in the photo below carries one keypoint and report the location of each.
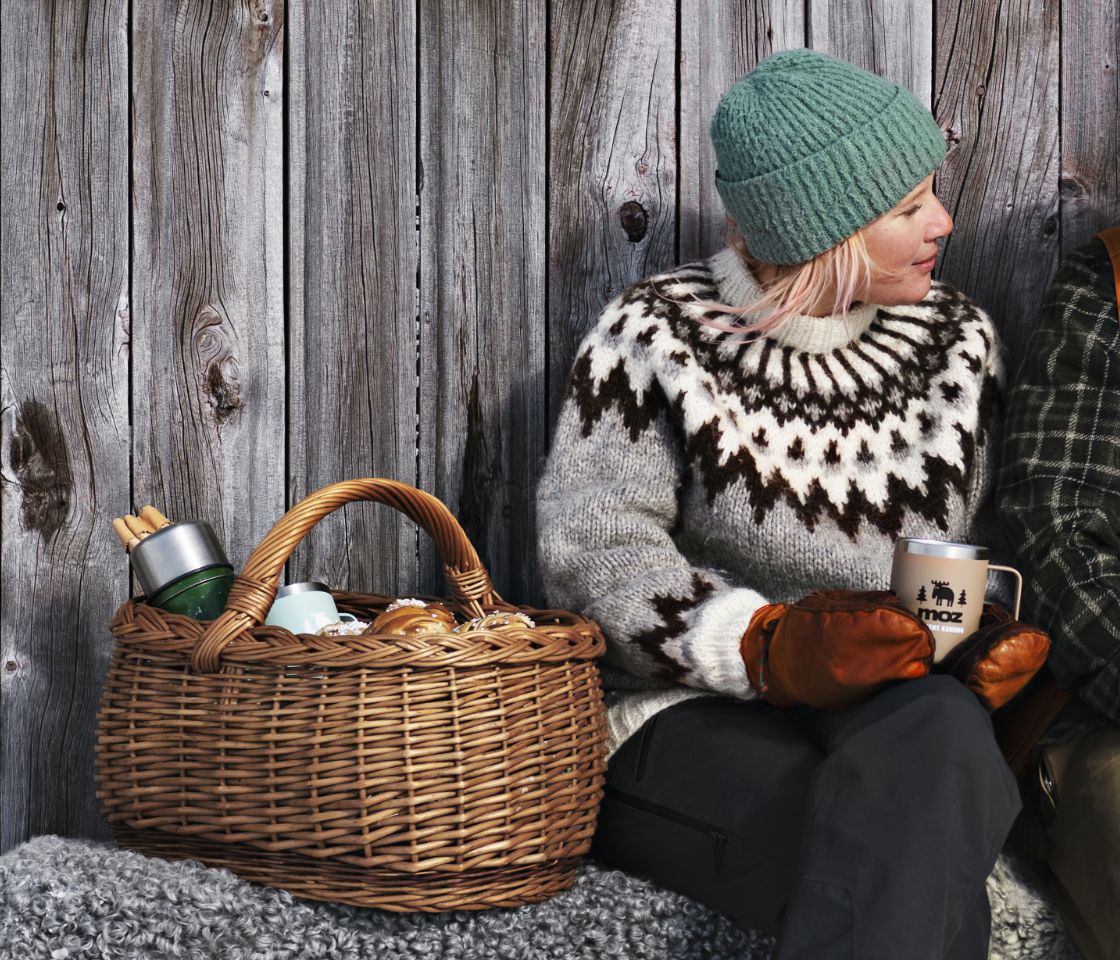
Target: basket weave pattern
(433, 772)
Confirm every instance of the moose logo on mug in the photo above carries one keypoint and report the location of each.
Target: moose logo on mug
(935, 578)
(942, 594)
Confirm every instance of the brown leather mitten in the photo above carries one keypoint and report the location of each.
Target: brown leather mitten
(999, 659)
(834, 648)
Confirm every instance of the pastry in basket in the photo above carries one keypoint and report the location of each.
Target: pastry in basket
(413, 616)
(496, 621)
(343, 628)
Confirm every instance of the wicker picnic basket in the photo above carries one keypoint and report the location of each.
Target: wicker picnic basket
(457, 770)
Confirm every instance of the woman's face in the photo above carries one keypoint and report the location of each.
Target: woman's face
(902, 244)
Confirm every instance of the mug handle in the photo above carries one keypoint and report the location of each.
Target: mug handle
(1018, 585)
(346, 618)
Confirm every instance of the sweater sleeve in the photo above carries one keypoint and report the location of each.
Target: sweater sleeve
(606, 509)
(1059, 490)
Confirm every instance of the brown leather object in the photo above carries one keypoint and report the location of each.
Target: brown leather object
(999, 659)
(834, 648)
(1019, 725)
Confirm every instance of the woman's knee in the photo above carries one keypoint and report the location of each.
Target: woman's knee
(951, 712)
(939, 716)
(929, 744)
(931, 729)
(950, 735)
(942, 689)
(934, 709)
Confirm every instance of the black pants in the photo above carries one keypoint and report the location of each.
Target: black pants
(863, 833)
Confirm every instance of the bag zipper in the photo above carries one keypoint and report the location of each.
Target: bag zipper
(718, 837)
(649, 806)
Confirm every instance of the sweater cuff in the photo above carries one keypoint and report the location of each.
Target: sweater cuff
(712, 641)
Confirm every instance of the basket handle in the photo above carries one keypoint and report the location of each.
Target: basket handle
(254, 589)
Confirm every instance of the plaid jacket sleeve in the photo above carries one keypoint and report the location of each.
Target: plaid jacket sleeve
(1058, 495)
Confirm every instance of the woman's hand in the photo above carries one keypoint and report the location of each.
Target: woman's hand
(999, 659)
(834, 648)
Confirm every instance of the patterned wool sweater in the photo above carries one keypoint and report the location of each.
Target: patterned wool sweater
(696, 475)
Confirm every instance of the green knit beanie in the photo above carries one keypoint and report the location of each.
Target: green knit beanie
(809, 149)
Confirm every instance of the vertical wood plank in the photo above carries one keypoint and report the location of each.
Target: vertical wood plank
(352, 266)
(208, 378)
(997, 97)
(612, 169)
(893, 38)
(720, 41)
(64, 364)
(1090, 179)
(482, 275)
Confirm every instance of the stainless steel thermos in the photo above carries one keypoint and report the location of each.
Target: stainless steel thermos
(182, 568)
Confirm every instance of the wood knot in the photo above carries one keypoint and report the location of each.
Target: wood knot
(634, 220)
(39, 459)
(1070, 188)
(223, 389)
(219, 375)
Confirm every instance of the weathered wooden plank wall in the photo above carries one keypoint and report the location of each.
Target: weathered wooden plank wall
(352, 273)
(719, 43)
(64, 369)
(247, 251)
(208, 377)
(1089, 111)
(481, 281)
(998, 98)
(612, 173)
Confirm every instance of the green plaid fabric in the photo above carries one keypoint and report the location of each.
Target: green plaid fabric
(1059, 487)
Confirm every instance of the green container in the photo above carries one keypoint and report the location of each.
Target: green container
(182, 568)
(201, 594)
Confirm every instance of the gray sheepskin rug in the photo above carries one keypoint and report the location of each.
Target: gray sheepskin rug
(62, 899)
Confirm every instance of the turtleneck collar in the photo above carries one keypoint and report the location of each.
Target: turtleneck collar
(738, 287)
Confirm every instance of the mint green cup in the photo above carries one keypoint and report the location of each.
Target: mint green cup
(304, 608)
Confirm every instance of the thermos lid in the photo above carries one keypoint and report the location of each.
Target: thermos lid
(308, 586)
(173, 552)
(945, 549)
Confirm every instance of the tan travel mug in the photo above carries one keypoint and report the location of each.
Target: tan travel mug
(944, 583)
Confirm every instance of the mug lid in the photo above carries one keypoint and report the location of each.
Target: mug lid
(946, 549)
(307, 586)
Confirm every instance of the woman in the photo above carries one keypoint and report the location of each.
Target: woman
(698, 476)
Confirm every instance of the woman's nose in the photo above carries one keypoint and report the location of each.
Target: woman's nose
(942, 224)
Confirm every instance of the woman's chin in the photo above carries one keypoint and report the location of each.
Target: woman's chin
(911, 290)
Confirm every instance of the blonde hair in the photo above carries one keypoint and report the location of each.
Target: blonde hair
(844, 269)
